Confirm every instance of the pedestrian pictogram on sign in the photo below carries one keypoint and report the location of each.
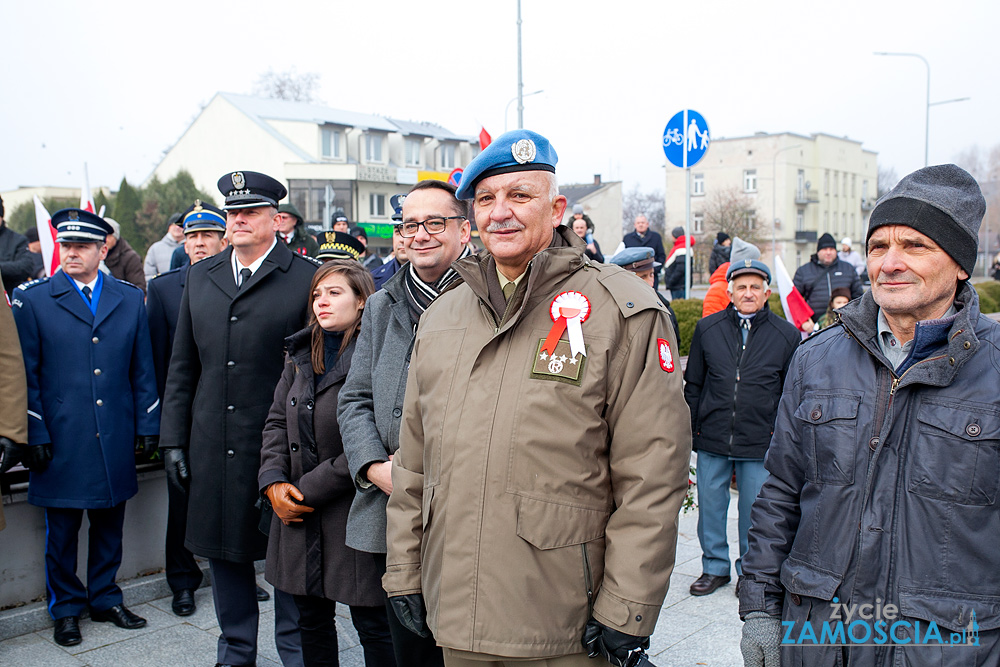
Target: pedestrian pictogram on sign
(686, 138)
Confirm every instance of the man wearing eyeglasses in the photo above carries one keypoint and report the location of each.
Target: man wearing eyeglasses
(435, 231)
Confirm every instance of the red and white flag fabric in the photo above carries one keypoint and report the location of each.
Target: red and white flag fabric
(46, 237)
(86, 201)
(484, 139)
(797, 311)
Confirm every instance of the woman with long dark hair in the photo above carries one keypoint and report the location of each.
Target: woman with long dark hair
(304, 475)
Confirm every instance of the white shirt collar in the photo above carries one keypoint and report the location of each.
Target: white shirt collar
(253, 265)
(92, 284)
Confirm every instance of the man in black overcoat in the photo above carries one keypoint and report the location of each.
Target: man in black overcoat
(237, 309)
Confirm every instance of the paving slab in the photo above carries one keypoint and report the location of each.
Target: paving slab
(32, 649)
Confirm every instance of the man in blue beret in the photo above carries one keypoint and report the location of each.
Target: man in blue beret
(735, 371)
(238, 307)
(92, 408)
(539, 476)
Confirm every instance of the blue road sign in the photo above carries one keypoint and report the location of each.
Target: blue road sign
(686, 138)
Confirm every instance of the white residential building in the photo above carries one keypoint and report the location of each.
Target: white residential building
(363, 159)
(804, 185)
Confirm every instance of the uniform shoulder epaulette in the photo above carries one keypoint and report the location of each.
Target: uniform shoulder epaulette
(313, 260)
(160, 275)
(628, 290)
(32, 283)
(125, 282)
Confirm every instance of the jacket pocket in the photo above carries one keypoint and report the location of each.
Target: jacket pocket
(828, 423)
(955, 455)
(547, 525)
(950, 610)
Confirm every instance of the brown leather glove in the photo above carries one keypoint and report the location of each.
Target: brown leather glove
(286, 500)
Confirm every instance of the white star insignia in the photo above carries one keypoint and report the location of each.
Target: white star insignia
(573, 361)
(543, 356)
(563, 358)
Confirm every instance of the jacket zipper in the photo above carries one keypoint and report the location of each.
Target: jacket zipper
(736, 388)
(589, 581)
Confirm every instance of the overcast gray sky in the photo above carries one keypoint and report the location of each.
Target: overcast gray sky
(115, 83)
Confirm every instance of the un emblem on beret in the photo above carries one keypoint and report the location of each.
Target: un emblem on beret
(748, 263)
(524, 151)
(238, 180)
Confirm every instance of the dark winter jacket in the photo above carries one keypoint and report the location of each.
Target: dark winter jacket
(719, 256)
(816, 282)
(15, 258)
(648, 240)
(733, 393)
(302, 446)
(124, 263)
(883, 487)
(302, 242)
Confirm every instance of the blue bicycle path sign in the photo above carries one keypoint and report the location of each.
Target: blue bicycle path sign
(686, 138)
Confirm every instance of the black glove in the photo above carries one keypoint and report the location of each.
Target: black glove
(175, 462)
(36, 457)
(411, 613)
(618, 648)
(146, 444)
(10, 454)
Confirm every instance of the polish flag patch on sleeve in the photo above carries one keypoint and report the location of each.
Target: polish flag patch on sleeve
(666, 358)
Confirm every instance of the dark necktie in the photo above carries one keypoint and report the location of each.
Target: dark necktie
(244, 277)
(87, 292)
(744, 329)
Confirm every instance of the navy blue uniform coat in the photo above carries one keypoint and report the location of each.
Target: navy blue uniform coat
(163, 302)
(91, 389)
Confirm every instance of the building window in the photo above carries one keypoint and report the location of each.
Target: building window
(800, 184)
(826, 182)
(332, 142)
(751, 219)
(698, 186)
(826, 221)
(864, 190)
(852, 224)
(447, 156)
(843, 219)
(854, 186)
(750, 180)
(373, 148)
(800, 220)
(698, 220)
(836, 183)
(376, 205)
(413, 150)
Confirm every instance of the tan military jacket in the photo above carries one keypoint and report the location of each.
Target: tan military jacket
(529, 495)
(13, 390)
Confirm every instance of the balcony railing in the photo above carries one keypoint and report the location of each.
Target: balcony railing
(803, 197)
(805, 237)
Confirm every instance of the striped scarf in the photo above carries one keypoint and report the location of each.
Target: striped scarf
(420, 294)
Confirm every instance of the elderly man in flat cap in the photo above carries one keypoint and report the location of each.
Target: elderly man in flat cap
(732, 384)
(238, 307)
(876, 538)
(536, 489)
(92, 407)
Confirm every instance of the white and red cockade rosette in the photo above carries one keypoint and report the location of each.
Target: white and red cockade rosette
(569, 310)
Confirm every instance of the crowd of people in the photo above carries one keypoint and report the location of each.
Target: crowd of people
(484, 454)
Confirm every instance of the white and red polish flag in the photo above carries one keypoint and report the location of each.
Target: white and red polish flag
(797, 311)
(47, 237)
(86, 201)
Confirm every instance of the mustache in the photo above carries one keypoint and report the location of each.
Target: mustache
(504, 225)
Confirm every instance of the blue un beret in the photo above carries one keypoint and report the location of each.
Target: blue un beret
(74, 225)
(203, 217)
(517, 150)
(249, 189)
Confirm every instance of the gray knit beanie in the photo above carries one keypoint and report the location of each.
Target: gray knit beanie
(943, 202)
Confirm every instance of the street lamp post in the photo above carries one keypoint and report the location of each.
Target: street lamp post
(774, 198)
(927, 112)
(506, 110)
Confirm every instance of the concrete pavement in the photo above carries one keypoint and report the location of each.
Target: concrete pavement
(696, 631)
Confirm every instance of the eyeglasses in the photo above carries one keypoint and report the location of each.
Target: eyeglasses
(431, 226)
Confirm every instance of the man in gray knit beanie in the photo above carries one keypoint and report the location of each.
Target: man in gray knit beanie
(883, 464)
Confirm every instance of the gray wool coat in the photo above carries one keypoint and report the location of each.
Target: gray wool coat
(371, 406)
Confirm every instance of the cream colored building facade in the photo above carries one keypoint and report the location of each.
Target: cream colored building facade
(602, 203)
(804, 185)
(359, 159)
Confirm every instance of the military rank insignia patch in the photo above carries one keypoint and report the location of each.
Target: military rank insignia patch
(560, 364)
(666, 358)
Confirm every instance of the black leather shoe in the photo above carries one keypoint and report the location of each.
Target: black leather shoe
(120, 616)
(183, 604)
(67, 632)
(708, 583)
(739, 584)
(262, 595)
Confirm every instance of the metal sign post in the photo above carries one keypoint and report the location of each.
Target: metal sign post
(685, 142)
